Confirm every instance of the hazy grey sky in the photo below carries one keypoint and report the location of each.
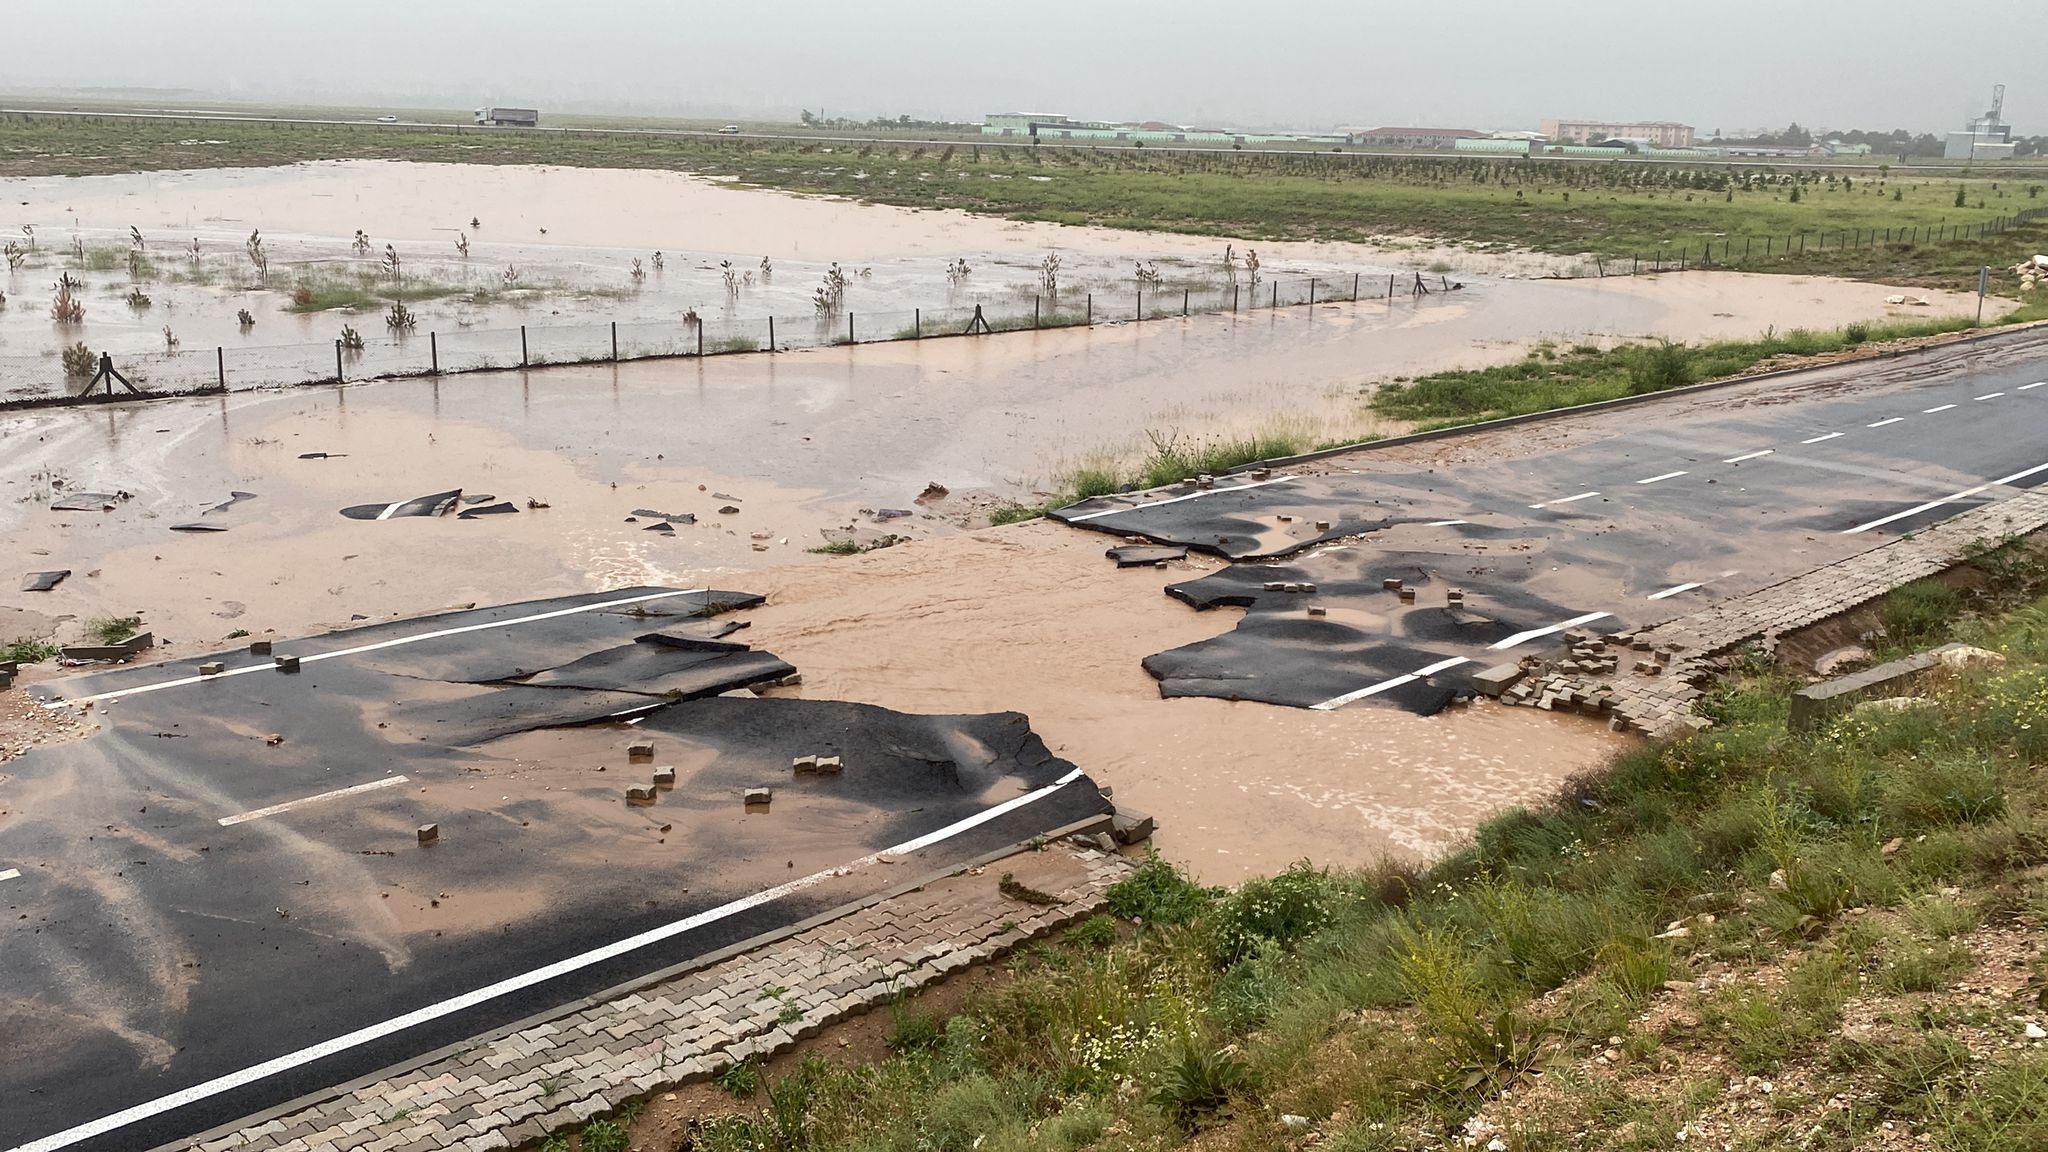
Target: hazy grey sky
(1307, 63)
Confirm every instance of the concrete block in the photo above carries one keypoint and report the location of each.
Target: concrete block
(829, 765)
(759, 797)
(212, 668)
(429, 833)
(1391, 584)
(6, 677)
(1407, 595)
(804, 765)
(1498, 679)
(1307, 587)
(1816, 702)
(286, 663)
(665, 777)
(1275, 586)
(640, 752)
(259, 647)
(1130, 826)
(1318, 610)
(1322, 525)
(641, 794)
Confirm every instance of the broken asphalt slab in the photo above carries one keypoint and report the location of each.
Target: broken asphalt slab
(262, 888)
(435, 504)
(43, 581)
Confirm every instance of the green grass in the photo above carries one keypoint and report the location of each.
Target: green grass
(1550, 378)
(1611, 209)
(26, 651)
(1389, 1006)
(113, 629)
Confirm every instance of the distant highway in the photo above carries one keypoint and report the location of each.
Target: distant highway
(1871, 164)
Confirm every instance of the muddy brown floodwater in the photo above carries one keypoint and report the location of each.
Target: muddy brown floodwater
(811, 446)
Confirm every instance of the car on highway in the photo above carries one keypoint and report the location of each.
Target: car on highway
(387, 119)
(729, 130)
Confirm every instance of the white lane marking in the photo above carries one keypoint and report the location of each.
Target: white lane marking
(2034, 385)
(338, 793)
(1665, 476)
(10, 874)
(1535, 633)
(389, 509)
(489, 992)
(1675, 590)
(1444, 523)
(1336, 702)
(1751, 456)
(1932, 504)
(1566, 500)
(1991, 396)
(1818, 439)
(1178, 499)
(1936, 408)
(1887, 420)
(393, 643)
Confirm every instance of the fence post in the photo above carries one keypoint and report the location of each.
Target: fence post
(700, 337)
(337, 362)
(1311, 291)
(1184, 302)
(522, 345)
(1141, 301)
(615, 341)
(849, 325)
(1091, 309)
(434, 352)
(1390, 286)
(1276, 293)
(1233, 296)
(220, 365)
(917, 323)
(1635, 262)
(1034, 312)
(771, 333)
(1354, 287)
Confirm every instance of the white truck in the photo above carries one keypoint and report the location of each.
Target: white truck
(508, 117)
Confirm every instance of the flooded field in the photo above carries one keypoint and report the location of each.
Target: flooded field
(689, 472)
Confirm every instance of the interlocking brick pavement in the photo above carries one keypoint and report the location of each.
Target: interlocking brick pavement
(515, 1087)
(1661, 704)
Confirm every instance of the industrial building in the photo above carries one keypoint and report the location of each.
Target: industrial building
(1655, 133)
(1409, 137)
(1988, 137)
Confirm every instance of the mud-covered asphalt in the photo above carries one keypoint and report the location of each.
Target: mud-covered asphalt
(230, 871)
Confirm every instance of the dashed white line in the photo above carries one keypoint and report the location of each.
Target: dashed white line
(1750, 456)
(338, 793)
(1178, 499)
(1444, 523)
(10, 874)
(382, 644)
(1965, 494)
(1336, 702)
(1665, 476)
(1887, 420)
(1823, 436)
(2034, 385)
(1936, 408)
(1675, 590)
(1566, 500)
(1536, 633)
(1991, 396)
(489, 992)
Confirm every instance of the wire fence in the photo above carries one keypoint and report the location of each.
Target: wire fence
(1737, 252)
(31, 381)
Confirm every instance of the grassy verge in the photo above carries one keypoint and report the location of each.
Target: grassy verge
(1743, 939)
(1614, 209)
(1550, 378)
(26, 651)
(1172, 459)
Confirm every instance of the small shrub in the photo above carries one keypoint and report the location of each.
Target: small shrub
(1283, 909)
(1952, 788)
(1017, 513)
(1196, 1083)
(399, 318)
(603, 1136)
(138, 299)
(25, 651)
(302, 297)
(1658, 367)
(1637, 968)
(915, 1031)
(80, 361)
(351, 340)
(1915, 967)
(1918, 611)
(1095, 932)
(739, 1080)
(1856, 333)
(1157, 893)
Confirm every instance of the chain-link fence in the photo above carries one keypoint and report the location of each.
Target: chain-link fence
(39, 380)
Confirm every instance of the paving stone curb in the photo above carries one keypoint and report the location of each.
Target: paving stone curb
(519, 1086)
(1685, 650)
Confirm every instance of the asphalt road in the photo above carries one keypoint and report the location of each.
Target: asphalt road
(1602, 521)
(220, 901)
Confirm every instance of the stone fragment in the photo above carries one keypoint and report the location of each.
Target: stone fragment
(286, 663)
(429, 833)
(829, 765)
(640, 752)
(639, 793)
(212, 668)
(804, 765)
(665, 777)
(1498, 679)
(759, 797)
(259, 647)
